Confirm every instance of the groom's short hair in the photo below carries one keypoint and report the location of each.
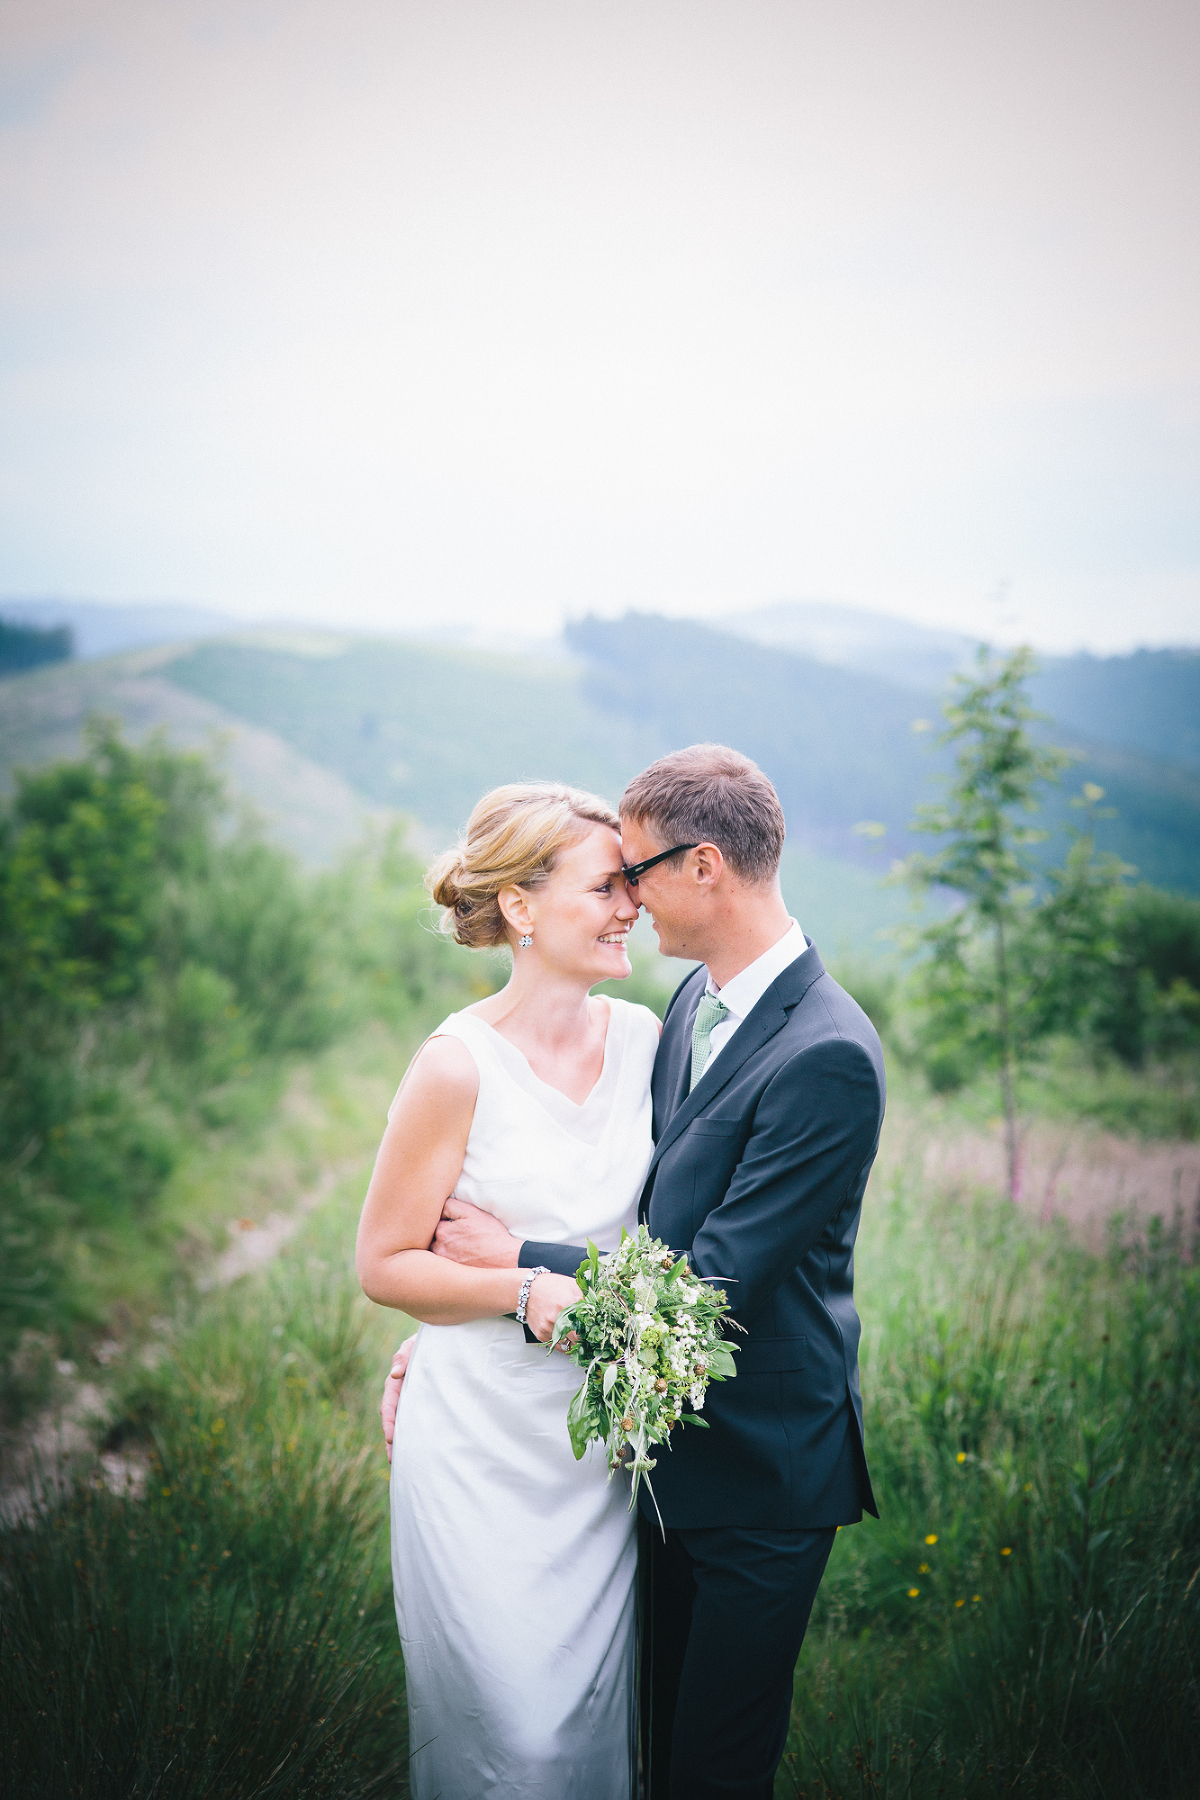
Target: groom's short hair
(710, 794)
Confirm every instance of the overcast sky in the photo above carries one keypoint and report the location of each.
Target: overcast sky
(495, 310)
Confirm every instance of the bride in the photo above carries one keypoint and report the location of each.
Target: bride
(514, 1565)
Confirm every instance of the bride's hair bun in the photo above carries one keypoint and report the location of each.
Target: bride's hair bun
(514, 838)
(444, 879)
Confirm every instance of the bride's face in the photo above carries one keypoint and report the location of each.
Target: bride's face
(583, 915)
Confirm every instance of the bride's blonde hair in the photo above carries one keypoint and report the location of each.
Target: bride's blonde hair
(514, 838)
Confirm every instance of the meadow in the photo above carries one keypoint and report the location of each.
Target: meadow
(201, 1606)
(1023, 1617)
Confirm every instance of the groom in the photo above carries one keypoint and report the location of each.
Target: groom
(768, 1100)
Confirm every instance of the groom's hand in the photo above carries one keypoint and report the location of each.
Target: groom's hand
(468, 1235)
(391, 1391)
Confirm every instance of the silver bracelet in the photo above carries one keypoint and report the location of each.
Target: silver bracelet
(523, 1296)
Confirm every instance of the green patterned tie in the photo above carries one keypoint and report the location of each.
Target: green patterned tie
(709, 1014)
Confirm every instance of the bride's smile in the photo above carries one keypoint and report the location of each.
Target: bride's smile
(579, 920)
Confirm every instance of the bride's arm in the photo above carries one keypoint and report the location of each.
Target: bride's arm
(419, 1161)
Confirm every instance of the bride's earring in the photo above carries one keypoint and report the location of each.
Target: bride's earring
(526, 942)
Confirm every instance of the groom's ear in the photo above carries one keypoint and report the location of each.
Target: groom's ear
(707, 864)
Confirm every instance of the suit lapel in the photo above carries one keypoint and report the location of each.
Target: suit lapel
(768, 1017)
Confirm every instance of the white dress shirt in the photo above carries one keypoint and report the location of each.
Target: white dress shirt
(743, 992)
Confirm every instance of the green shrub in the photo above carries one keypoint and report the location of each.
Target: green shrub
(875, 985)
(159, 960)
(1150, 1004)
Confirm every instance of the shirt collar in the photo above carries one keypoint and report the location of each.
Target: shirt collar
(742, 993)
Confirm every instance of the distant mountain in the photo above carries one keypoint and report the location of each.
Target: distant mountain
(1148, 702)
(101, 628)
(840, 745)
(429, 729)
(421, 727)
(325, 727)
(24, 646)
(849, 637)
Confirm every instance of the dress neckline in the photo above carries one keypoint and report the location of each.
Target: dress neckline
(578, 1106)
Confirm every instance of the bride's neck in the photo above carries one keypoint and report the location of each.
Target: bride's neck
(537, 1004)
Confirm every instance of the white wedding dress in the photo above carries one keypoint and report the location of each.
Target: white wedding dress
(514, 1564)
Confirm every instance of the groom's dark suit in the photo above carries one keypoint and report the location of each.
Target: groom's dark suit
(758, 1174)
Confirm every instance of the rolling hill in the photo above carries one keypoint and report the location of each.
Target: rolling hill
(308, 807)
(321, 729)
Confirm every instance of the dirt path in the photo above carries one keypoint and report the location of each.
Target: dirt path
(55, 1448)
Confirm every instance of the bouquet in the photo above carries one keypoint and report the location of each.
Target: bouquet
(647, 1334)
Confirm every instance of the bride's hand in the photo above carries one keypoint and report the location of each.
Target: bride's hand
(391, 1391)
(547, 1297)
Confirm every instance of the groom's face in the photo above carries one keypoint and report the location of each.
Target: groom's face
(667, 893)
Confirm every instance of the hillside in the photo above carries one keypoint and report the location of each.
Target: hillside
(841, 747)
(321, 728)
(309, 808)
(1147, 702)
(898, 651)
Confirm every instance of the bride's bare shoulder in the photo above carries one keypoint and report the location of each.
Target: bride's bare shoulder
(441, 1075)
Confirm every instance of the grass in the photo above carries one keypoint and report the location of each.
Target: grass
(1025, 1615)
(1065, 1085)
(230, 1632)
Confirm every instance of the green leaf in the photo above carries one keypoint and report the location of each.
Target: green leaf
(578, 1423)
(563, 1324)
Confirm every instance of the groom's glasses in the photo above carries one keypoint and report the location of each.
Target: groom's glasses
(633, 874)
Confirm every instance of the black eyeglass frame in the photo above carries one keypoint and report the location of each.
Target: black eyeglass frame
(633, 874)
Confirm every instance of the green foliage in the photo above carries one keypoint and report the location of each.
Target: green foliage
(232, 1631)
(159, 959)
(81, 879)
(1149, 1007)
(874, 984)
(1025, 1616)
(1005, 969)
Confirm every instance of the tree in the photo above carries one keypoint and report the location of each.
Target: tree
(979, 983)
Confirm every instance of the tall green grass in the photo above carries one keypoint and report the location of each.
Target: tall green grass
(231, 1631)
(1025, 1615)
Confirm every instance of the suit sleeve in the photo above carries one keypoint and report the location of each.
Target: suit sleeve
(815, 1133)
(560, 1259)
